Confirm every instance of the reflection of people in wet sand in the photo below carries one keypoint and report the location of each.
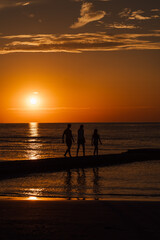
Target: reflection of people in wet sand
(81, 184)
(81, 139)
(69, 138)
(68, 184)
(95, 140)
(96, 187)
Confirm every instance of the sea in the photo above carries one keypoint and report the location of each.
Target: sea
(33, 141)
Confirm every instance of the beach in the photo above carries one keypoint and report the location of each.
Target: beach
(79, 120)
(120, 186)
(45, 220)
(20, 168)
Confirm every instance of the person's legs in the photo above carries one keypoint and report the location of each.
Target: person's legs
(69, 144)
(66, 152)
(83, 145)
(96, 150)
(69, 149)
(78, 148)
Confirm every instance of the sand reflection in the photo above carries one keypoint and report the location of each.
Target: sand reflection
(81, 183)
(96, 185)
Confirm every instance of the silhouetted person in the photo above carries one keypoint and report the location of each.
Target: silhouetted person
(95, 140)
(69, 138)
(81, 139)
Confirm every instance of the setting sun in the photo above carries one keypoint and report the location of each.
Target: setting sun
(33, 101)
(79, 119)
(98, 63)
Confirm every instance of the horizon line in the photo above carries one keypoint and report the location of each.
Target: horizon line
(79, 122)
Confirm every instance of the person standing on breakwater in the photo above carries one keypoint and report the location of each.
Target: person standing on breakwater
(95, 140)
(81, 139)
(69, 139)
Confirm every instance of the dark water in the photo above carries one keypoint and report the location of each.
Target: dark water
(35, 141)
(139, 181)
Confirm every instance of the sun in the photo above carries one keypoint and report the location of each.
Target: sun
(33, 101)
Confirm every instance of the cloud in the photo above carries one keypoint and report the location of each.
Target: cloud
(155, 16)
(155, 10)
(125, 13)
(88, 14)
(49, 109)
(121, 26)
(22, 3)
(156, 31)
(137, 15)
(13, 3)
(77, 43)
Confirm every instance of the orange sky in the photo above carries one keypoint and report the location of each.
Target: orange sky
(114, 80)
(83, 88)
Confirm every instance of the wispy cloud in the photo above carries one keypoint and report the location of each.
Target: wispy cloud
(77, 43)
(75, 109)
(87, 15)
(125, 12)
(13, 3)
(137, 15)
(155, 10)
(49, 109)
(120, 26)
(156, 31)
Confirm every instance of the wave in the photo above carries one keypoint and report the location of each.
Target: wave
(29, 137)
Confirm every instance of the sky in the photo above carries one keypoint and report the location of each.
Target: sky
(79, 61)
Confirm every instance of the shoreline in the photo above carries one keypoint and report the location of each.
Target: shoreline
(12, 169)
(74, 199)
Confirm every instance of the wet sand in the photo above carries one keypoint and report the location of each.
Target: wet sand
(45, 220)
(10, 169)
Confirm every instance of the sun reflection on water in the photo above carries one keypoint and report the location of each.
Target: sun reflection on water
(32, 198)
(32, 193)
(33, 129)
(33, 133)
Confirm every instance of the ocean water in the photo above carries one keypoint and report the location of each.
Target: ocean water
(134, 181)
(38, 141)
